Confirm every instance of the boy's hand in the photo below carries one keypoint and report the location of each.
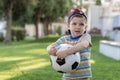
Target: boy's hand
(52, 49)
(61, 54)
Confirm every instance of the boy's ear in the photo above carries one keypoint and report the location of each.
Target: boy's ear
(68, 26)
(86, 26)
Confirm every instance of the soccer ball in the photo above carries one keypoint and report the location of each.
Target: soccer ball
(68, 64)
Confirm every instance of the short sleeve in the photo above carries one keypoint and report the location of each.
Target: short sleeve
(60, 41)
(87, 37)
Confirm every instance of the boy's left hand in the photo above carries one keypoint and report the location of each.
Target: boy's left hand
(61, 54)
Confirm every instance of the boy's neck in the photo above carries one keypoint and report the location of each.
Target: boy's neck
(75, 37)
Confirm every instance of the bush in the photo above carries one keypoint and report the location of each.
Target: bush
(58, 30)
(1, 37)
(18, 33)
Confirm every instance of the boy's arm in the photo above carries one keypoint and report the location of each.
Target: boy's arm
(51, 49)
(76, 48)
(84, 43)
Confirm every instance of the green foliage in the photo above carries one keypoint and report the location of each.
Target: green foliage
(23, 11)
(18, 33)
(98, 2)
(1, 37)
(1, 9)
(58, 30)
(52, 9)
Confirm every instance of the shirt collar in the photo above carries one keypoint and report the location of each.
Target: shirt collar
(74, 38)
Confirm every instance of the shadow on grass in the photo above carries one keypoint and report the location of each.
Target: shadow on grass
(32, 53)
(45, 73)
(25, 60)
(18, 60)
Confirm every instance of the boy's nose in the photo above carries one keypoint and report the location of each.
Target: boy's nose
(78, 26)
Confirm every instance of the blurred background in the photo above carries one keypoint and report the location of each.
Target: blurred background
(37, 18)
(27, 27)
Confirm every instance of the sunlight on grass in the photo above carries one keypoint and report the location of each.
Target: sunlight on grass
(92, 61)
(12, 58)
(32, 62)
(28, 60)
(23, 67)
(33, 66)
(39, 51)
(5, 77)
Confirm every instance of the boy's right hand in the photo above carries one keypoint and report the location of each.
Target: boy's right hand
(52, 49)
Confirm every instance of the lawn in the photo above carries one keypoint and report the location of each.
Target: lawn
(28, 60)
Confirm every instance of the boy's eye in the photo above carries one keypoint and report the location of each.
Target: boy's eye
(74, 23)
(81, 24)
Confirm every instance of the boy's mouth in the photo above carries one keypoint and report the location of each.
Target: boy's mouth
(77, 31)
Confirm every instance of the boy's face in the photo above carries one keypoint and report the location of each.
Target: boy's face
(77, 26)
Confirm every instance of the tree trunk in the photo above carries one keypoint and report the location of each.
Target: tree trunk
(36, 30)
(45, 25)
(9, 22)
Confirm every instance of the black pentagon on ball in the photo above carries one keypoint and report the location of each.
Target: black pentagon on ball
(60, 61)
(74, 66)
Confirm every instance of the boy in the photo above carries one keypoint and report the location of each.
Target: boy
(81, 41)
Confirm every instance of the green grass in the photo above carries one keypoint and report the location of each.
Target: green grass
(103, 68)
(28, 60)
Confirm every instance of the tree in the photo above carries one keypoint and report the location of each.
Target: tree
(36, 20)
(23, 11)
(8, 13)
(51, 11)
(16, 11)
(1, 9)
